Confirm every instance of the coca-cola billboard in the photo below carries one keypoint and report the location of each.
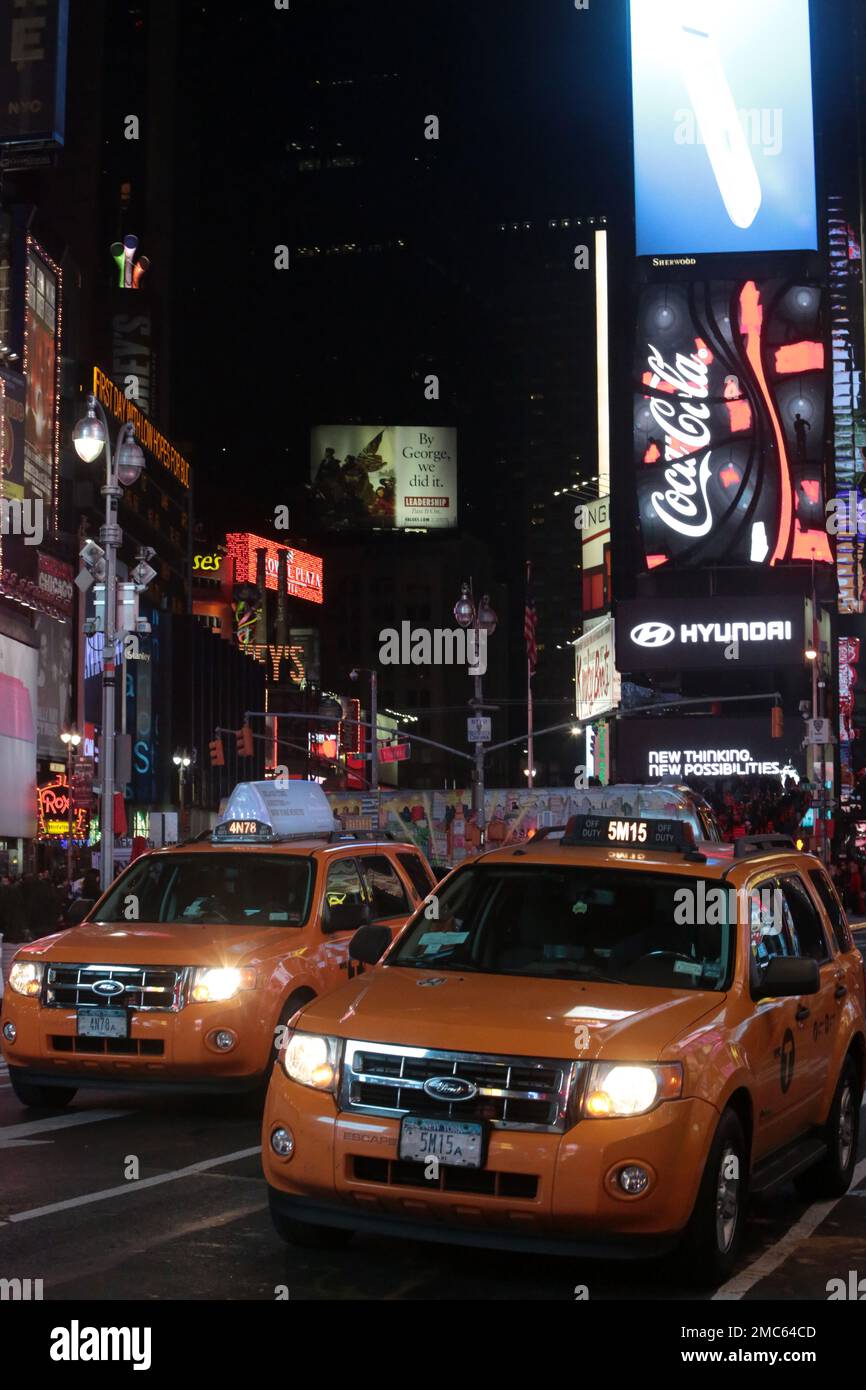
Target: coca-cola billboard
(731, 423)
(596, 680)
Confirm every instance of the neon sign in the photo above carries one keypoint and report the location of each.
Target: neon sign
(304, 573)
(52, 805)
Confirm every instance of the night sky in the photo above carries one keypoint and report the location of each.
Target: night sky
(532, 100)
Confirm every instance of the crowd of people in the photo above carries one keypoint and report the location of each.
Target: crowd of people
(760, 806)
(35, 905)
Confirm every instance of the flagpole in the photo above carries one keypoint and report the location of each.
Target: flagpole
(530, 781)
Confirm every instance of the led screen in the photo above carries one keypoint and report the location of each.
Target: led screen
(723, 136)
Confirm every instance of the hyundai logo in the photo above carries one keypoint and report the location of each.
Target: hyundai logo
(450, 1088)
(107, 988)
(652, 634)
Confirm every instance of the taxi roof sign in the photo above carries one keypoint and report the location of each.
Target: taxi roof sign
(638, 832)
(279, 808)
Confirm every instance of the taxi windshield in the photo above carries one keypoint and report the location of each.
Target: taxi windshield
(237, 888)
(577, 923)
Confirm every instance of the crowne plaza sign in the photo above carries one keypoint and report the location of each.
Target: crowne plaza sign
(698, 634)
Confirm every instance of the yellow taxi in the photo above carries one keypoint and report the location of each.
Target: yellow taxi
(183, 973)
(600, 1042)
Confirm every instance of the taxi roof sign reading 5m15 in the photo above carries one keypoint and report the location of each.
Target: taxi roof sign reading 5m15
(621, 830)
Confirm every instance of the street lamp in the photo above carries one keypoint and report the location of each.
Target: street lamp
(181, 761)
(71, 738)
(123, 467)
(482, 619)
(374, 720)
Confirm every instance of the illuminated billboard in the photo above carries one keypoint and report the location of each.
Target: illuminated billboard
(389, 477)
(42, 372)
(731, 423)
(723, 135)
(303, 571)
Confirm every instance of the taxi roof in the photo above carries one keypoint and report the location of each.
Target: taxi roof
(706, 860)
(301, 844)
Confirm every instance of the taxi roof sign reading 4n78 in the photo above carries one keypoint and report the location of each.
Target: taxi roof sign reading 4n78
(671, 835)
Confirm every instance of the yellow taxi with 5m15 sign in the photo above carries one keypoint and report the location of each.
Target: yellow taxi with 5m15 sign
(601, 1041)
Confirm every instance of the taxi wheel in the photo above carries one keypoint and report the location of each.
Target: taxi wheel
(832, 1176)
(311, 1237)
(714, 1234)
(47, 1097)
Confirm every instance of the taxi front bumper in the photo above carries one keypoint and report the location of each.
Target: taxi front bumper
(165, 1050)
(536, 1191)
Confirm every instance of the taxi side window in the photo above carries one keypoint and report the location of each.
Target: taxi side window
(419, 875)
(832, 907)
(344, 886)
(387, 893)
(808, 933)
(770, 925)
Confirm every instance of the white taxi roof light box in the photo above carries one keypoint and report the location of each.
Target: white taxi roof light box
(289, 808)
(654, 801)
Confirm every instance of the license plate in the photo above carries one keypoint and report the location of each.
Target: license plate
(455, 1143)
(103, 1023)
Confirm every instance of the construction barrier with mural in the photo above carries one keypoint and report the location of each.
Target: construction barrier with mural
(443, 824)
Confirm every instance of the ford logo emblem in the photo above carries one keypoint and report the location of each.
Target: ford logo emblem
(108, 988)
(450, 1088)
(652, 634)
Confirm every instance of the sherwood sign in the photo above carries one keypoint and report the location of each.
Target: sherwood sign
(694, 634)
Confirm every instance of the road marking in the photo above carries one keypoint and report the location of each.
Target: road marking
(778, 1253)
(13, 1135)
(127, 1187)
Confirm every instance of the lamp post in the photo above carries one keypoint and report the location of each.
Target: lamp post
(71, 738)
(182, 762)
(123, 467)
(482, 619)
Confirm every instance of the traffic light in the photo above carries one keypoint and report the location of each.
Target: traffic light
(217, 753)
(777, 722)
(245, 742)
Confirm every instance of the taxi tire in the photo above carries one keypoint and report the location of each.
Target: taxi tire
(707, 1264)
(830, 1177)
(310, 1237)
(42, 1097)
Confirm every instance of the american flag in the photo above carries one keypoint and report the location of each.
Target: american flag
(530, 624)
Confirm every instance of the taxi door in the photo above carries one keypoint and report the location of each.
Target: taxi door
(391, 903)
(820, 1013)
(345, 906)
(773, 1034)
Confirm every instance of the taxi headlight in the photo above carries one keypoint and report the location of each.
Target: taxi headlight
(625, 1088)
(213, 984)
(25, 977)
(312, 1060)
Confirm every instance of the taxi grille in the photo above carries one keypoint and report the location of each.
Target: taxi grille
(511, 1092)
(146, 988)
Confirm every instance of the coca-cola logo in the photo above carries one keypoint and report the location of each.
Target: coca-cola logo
(682, 418)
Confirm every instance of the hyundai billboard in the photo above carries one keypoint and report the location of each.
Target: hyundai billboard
(723, 136)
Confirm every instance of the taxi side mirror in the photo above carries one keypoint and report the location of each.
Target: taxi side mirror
(785, 976)
(78, 910)
(370, 943)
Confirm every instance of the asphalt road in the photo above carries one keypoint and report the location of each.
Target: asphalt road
(194, 1223)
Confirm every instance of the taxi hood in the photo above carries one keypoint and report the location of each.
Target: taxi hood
(152, 943)
(510, 1015)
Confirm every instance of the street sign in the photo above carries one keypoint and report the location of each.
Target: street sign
(395, 753)
(818, 732)
(479, 729)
